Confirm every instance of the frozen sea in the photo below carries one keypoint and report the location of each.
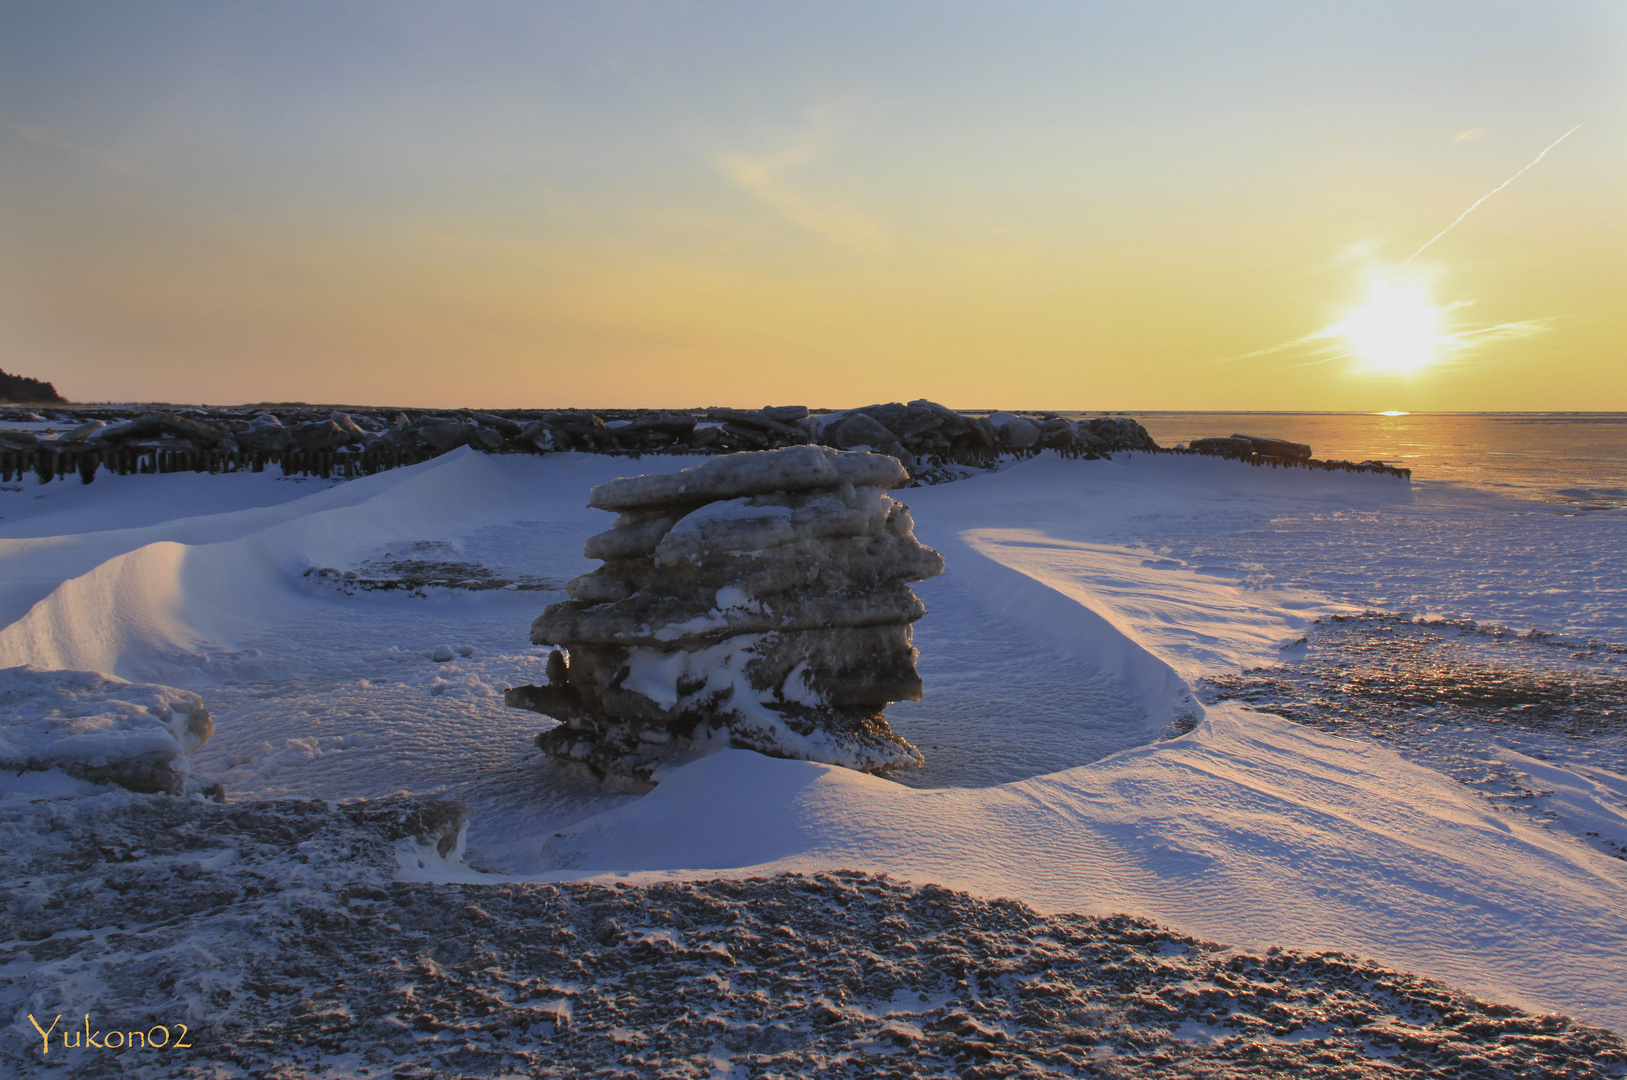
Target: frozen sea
(1078, 756)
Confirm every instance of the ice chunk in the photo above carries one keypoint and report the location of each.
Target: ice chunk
(99, 728)
(794, 468)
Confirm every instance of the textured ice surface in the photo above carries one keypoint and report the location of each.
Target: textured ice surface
(1103, 589)
(788, 976)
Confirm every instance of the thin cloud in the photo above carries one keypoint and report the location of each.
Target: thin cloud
(1471, 134)
(1270, 350)
(764, 178)
(41, 137)
(1464, 340)
(1450, 345)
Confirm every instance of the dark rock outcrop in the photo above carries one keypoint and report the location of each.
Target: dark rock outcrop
(759, 600)
(1231, 447)
(1278, 448)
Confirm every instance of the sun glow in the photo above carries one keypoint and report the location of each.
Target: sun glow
(1396, 330)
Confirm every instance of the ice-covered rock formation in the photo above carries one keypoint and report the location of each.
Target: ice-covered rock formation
(758, 600)
(100, 728)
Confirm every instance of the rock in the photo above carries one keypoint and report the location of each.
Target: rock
(792, 469)
(159, 424)
(583, 428)
(442, 436)
(1280, 448)
(543, 436)
(1121, 433)
(676, 425)
(659, 429)
(502, 425)
(758, 600)
(264, 434)
(858, 429)
(905, 422)
(750, 437)
(954, 425)
(319, 436)
(486, 439)
(1057, 433)
(556, 668)
(356, 432)
(99, 728)
(396, 440)
(1234, 447)
(1014, 431)
(758, 430)
(83, 431)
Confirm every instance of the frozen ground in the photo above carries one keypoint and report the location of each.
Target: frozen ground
(1090, 609)
(348, 971)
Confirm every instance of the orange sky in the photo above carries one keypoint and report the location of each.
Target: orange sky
(1069, 207)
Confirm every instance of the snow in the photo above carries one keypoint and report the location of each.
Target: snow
(1083, 603)
(1251, 830)
(98, 728)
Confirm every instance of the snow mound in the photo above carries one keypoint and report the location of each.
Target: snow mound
(100, 728)
(1251, 829)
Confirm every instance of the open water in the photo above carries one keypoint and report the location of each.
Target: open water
(1579, 459)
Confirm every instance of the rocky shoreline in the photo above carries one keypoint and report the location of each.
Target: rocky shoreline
(934, 443)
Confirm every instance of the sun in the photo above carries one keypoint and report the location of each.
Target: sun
(1397, 329)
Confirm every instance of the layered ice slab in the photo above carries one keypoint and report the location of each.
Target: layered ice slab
(759, 601)
(100, 728)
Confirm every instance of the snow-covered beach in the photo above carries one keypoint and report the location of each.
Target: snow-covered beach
(1090, 749)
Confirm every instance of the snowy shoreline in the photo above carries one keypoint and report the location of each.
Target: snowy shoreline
(934, 443)
(1143, 582)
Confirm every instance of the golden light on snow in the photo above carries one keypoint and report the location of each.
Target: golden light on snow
(1396, 330)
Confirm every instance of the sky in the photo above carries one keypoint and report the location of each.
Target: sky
(1091, 206)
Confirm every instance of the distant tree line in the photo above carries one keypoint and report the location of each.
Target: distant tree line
(18, 389)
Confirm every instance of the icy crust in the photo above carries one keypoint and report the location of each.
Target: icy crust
(775, 617)
(99, 728)
(836, 543)
(281, 934)
(794, 468)
(649, 618)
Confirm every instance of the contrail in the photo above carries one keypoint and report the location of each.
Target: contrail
(1490, 193)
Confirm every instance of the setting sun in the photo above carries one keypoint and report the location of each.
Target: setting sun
(1395, 330)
